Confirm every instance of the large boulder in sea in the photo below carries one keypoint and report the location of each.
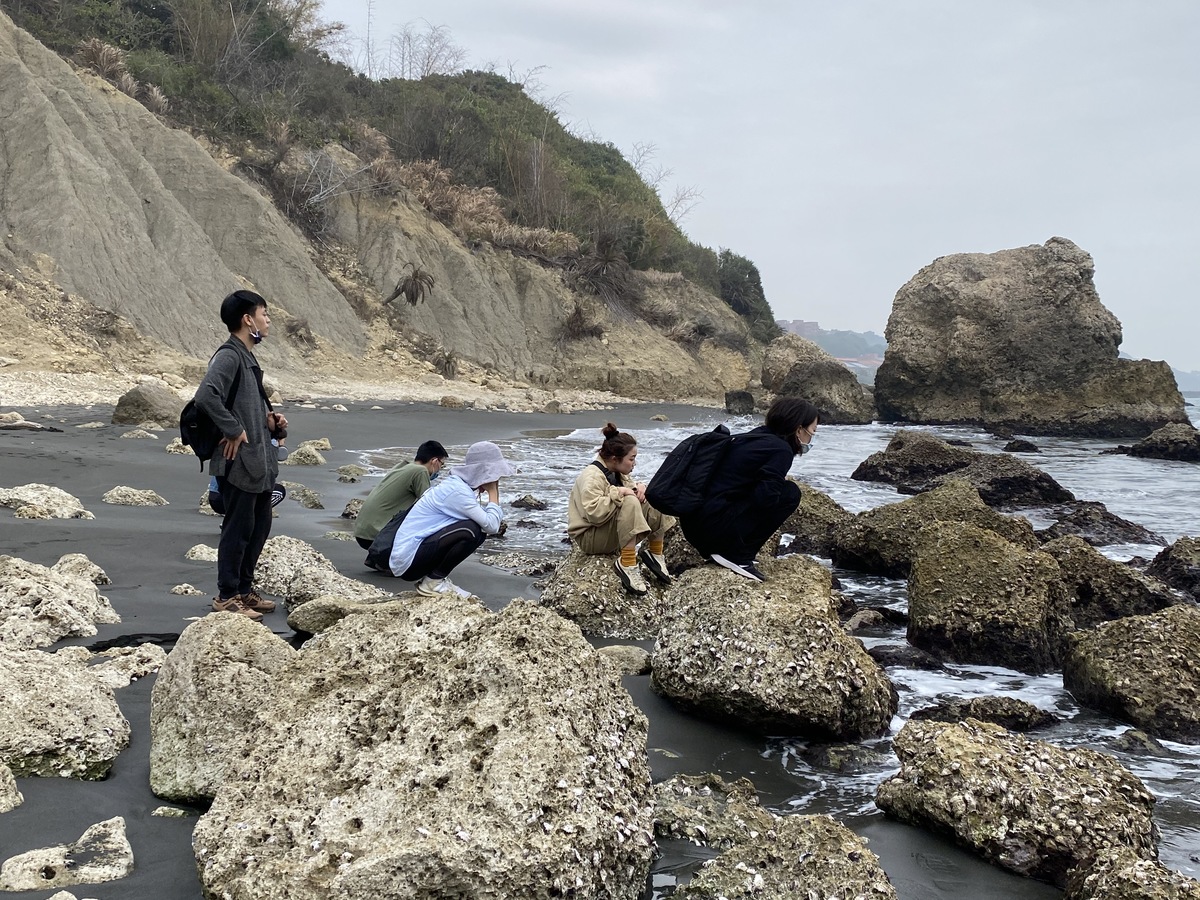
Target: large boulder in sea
(796, 367)
(1121, 874)
(1018, 339)
(1142, 669)
(57, 718)
(881, 541)
(1099, 589)
(1179, 566)
(801, 857)
(1027, 806)
(915, 462)
(974, 597)
(1092, 521)
(204, 703)
(771, 657)
(1180, 442)
(438, 750)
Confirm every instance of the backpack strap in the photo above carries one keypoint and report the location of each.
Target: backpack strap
(610, 476)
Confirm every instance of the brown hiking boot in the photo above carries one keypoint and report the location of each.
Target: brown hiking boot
(235, 605)
(257, 602)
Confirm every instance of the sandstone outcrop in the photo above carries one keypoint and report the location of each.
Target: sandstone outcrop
(1024, 805)
(974, 597)
(437, 751)
(40, 605)
(77, 736)
(77, 565)
(586, 590)
(101, 854)
(122, 495)
(1017, 339)
(148, 401)
(916, 462)
(796, 367)
(204, 702)
(769, 656)
(1179, 566)
(1143, 669)
(881, 541)
(1099, 589)
(802, 856)
(1124, 875)
(1180, 442)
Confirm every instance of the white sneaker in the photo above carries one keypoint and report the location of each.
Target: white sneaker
(631, 577)
(429, 587)
(446, 586)
(746, 570)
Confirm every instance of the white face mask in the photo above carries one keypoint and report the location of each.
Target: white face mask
(804, 448)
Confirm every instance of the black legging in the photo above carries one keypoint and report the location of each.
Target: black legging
(439, 553)
(738, 531)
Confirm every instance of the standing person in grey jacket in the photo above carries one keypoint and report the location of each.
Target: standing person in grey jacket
(245, 464)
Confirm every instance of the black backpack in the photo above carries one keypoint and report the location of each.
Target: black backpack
(680, 485)
(197, 430)
(380, 552)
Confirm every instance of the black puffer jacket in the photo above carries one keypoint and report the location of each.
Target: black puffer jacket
(753, 473)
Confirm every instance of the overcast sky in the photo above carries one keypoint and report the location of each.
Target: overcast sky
(843, 146)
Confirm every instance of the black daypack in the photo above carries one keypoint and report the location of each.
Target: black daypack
(680, 485)
(380, 552)
(197, 430)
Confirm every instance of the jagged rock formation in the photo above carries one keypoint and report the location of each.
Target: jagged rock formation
(1017, 339)
(1179, 566)
(586, 590)
(40, 605)
(101, 854)
(796, 367)
(1122, 874)
(1178, 442)
(1007, 712)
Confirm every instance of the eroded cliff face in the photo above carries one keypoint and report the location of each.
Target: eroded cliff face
(1017, 339)
(127, 216)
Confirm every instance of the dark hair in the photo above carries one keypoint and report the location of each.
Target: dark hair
(617, 444)
(430, 450)
(238, 304)
(786, 415)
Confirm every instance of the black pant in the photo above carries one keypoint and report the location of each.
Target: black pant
(244, 530)
(364, 543)
(439, 553)
(737, 531)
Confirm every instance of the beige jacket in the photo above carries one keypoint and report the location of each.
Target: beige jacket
(593, 500)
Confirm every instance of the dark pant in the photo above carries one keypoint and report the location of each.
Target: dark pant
(244, 530)
(738, 531)
(443, 550)
(364, 543)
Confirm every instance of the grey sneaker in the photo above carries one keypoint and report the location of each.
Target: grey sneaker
(746, 570)
(631, 577)
(656, 564)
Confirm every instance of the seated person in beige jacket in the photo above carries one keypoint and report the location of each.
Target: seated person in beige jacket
(609, 513)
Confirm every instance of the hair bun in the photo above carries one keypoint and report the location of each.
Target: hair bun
(610, 430)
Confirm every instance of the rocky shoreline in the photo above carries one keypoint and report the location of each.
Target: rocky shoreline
(526, 758)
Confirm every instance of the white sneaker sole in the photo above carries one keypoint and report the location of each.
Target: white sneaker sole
(734, 567)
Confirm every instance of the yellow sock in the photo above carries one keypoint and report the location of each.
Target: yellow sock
(655, 547)
(628, 556)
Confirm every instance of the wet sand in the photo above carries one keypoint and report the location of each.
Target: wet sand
(142, 550)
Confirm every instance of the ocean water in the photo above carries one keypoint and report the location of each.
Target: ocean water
(793, 776)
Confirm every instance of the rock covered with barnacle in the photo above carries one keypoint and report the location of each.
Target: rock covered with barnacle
(1142, 669)
(802, 856)
(1123, 875)
(436, 749)
(769, 656)
(709, 811)
(974, 597)
(1026, 806)
(882, 540)
(586, 590)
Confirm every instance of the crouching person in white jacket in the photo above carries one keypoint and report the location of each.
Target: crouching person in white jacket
(450, 521)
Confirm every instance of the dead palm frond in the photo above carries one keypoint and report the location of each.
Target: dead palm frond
(103, 59)
(155, 100)
(413, 286)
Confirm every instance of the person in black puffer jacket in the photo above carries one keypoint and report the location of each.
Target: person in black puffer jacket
(750, 495)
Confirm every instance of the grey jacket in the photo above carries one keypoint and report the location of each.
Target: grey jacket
(255, 467)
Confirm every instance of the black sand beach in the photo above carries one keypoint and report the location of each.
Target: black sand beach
(142, 550)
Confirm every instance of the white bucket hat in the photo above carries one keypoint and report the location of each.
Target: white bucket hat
(484, 464)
